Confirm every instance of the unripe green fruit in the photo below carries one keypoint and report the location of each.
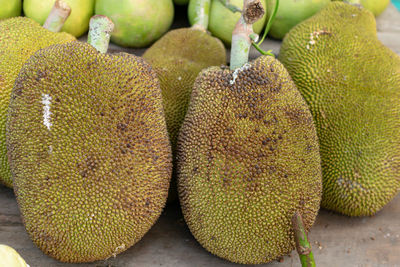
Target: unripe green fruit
(292, 12)
(76, 24)
(10, 8)
(137, 23)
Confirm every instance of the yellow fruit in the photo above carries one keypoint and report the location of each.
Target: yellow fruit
(352, 85)
(247, 161)
(76, 24)
(10, 8)
(19, 39)
(10, 258)
(89, 151)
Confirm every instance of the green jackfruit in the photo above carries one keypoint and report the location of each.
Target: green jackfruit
(19, 39)
(248, 159)
(178, 57)
(89, 151)
(352, 85)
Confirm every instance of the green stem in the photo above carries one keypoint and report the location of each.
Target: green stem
(58, 15)
(230, 6)
(240, 44)
(267, 28)
(303, 247)
(100, 29)
(241, 41)
(202, 12)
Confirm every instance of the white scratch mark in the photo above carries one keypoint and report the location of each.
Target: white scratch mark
(235, 73)
(313, 36)
(46, 110)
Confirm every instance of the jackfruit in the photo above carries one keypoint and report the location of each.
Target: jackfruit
(89, 151)
(19, 39)
(248, 159)
(351, 83)
(178, 57)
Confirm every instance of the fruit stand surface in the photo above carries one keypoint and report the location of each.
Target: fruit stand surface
(337, 240)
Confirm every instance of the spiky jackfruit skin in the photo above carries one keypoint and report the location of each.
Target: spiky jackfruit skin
(351, 83)
(89, 151)
(19, 39)
(178, 57)
(247, 160)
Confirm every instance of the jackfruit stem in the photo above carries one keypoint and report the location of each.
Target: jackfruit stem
(303, 247)
(202, 13)
(243, 33)
(100, 29)
(58, 15)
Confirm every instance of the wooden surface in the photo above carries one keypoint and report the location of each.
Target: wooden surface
(337, 240)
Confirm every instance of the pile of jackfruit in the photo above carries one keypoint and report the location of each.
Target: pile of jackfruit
(93, 143)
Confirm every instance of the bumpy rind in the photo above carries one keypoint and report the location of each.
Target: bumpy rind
(178, 57)
(89, 151)
(247, 160)
(351, 83)
(19, 39)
